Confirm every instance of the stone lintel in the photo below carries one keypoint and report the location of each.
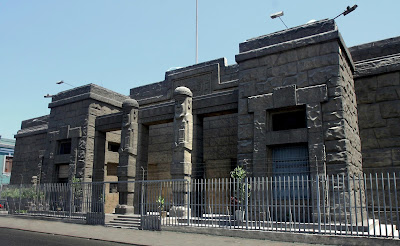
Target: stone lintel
(286, 137)
(109, 122)
(75, 132)
(66, 132)
(284, 96)
(288, 96)
(150, 112)
(62, 158)
(312, 94)
(260, 102)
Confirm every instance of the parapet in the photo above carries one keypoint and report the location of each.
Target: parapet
(202, 79)
(90, 91)
(292, 38)
(376, 57)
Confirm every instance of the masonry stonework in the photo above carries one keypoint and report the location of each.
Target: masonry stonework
(377, 83)
(296, 101)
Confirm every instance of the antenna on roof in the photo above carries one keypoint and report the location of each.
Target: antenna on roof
(347, 11)
(278, 15)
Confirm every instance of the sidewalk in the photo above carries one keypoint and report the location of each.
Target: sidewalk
(129, 236)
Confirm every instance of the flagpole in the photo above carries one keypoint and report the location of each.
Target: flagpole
(197, 33)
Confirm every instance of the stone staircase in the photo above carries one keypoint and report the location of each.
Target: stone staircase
(123, 221)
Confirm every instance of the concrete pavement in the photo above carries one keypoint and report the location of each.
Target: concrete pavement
(192, 236)
(130, 236)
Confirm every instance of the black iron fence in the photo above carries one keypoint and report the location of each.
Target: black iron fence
(356, 205)
(79, 201)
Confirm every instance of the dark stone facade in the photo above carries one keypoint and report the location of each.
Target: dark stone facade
(342, 105)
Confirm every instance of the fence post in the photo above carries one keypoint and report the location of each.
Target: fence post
(71, 200)
(247, 202)
(19, 204)
(188, 200)
(318, 205)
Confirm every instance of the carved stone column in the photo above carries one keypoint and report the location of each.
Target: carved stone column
(128, 156)
(181, 166)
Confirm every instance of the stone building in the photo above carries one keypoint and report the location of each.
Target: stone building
(296, 101)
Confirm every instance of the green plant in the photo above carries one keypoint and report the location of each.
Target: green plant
(10, 192)
(240, 175)
(29, 193)
(77, 187)
(160, 202)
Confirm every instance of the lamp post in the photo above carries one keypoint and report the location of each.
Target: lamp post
(347, 11)
(62, 82)
(278, 15)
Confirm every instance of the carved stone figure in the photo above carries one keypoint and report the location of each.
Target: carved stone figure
(181, 166)
(127, 156)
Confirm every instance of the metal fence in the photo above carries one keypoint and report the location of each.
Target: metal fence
(78, 201)
(356, 205)
(362, 205)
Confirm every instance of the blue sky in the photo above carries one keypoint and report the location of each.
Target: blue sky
(122, 44)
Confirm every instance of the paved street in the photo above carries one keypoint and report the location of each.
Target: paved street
(14, 237)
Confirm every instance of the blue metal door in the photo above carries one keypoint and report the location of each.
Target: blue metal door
(290, 168)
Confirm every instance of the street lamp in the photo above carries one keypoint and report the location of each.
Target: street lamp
(278, 15)
(48, 96)
(348, 10)
(62, 82)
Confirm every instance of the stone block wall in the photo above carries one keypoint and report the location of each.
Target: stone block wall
(341, 133)
(219, 145)
(377, 83)
(379, 120)
(28, 160)
(160, 151)
(72, 116)
(276, 73)
(82, 115)
(95, 109)
(202, 79)
(29, 149)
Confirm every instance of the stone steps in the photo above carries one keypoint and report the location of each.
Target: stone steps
(123, 221)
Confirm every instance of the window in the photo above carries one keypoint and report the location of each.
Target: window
(64, 147)
(289, 120)
(7, 165)
(62, 173)
(113, 147)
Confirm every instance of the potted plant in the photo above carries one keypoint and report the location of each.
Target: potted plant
(240, 175)
(160, 203)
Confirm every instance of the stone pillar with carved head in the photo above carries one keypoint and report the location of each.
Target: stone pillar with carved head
(181, 166)
(128, 156)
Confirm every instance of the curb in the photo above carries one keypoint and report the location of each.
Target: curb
(288, 237)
